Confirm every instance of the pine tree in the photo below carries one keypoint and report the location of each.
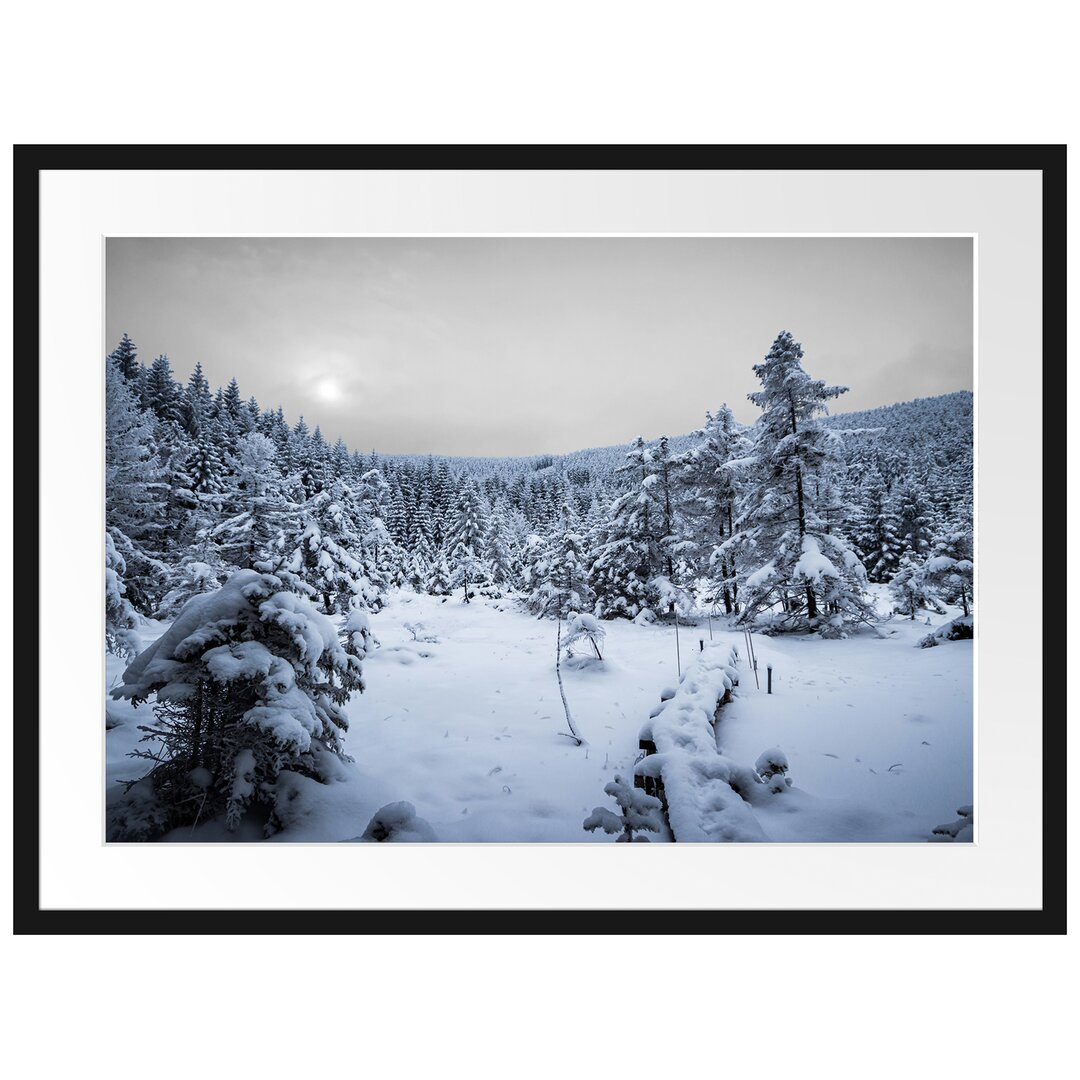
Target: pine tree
(439, 582)
(951, 567)
(812, 576)
(560, 578)
(135, 489)
(911, 588)
(250, 683)
(638, 813)
(125, 356)
(635, 568)
(121, 619)
(709, 475)
(160, 392)
(466, 538)
(914, 523)
(877, 529)
(196, 403)
(256, 507)
(497, 552)
(318, 549)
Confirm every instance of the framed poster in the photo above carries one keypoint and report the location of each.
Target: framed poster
(516, 501)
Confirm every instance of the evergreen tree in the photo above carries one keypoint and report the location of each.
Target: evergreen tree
(196, 403)
(121, 619)
(709, 475)
(914, 523)
(877, 529)
(951, 567)
(638, 813)
(560, 579)
(497, 552)
(318, 549)
(256, 507)
(466, 538)
(135, 488)
(804, 576)
(160, 392)
(439, 582)
(911, 588)
(126, 359)
(635, 569)
(250, 683)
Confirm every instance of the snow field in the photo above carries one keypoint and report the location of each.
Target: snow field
(461, 717)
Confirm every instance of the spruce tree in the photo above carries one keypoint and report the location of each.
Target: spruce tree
(135, 489)
(876, 532)
(318, 547)
(466, 538)
(802, 576)
(125, 356)
(160, 392)
(709, 475)
(250, 683)
(256, 508)
(560, 584)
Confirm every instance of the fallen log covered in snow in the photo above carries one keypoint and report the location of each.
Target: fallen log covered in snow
(701, 787)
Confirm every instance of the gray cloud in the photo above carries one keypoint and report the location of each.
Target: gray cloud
(516, 346)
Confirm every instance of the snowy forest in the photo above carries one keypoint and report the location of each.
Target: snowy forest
(311, 641)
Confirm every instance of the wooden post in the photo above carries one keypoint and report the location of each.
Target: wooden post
(701, 644)
(769, 669)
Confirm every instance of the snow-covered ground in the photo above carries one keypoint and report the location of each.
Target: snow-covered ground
(461, 717)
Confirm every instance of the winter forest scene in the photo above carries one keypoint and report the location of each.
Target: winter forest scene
(539, 540)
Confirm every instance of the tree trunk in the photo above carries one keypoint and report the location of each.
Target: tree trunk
(196, 730)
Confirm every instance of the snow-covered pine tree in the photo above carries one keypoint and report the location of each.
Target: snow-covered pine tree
(911, 588)
(636, 565)
(196, 403)
(376, 555)
(466, 538)
(439, 582)
(497, 551)
(802, 576)
(317, 549)
(160, 392)
(560, 578)
(638, 813)
(951, 568)
(913, 514)
(877, 529)
(256, 507)
(416, 571)
(126, 358)
(709, 476)
(191, 577)
(304, 460)
(121, 619)
(135, 488)
(250, 681)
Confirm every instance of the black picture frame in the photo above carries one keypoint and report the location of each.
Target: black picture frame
(31, 160)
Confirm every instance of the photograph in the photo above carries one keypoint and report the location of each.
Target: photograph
(550, 539)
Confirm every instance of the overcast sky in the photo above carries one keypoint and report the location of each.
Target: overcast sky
(523, 346)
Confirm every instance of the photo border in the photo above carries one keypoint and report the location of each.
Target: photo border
(29, 161)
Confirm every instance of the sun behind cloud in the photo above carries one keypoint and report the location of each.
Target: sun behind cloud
(328, 390)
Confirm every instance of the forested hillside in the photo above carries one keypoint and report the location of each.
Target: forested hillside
(202, 482)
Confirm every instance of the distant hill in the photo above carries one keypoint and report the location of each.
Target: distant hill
(906, 430)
